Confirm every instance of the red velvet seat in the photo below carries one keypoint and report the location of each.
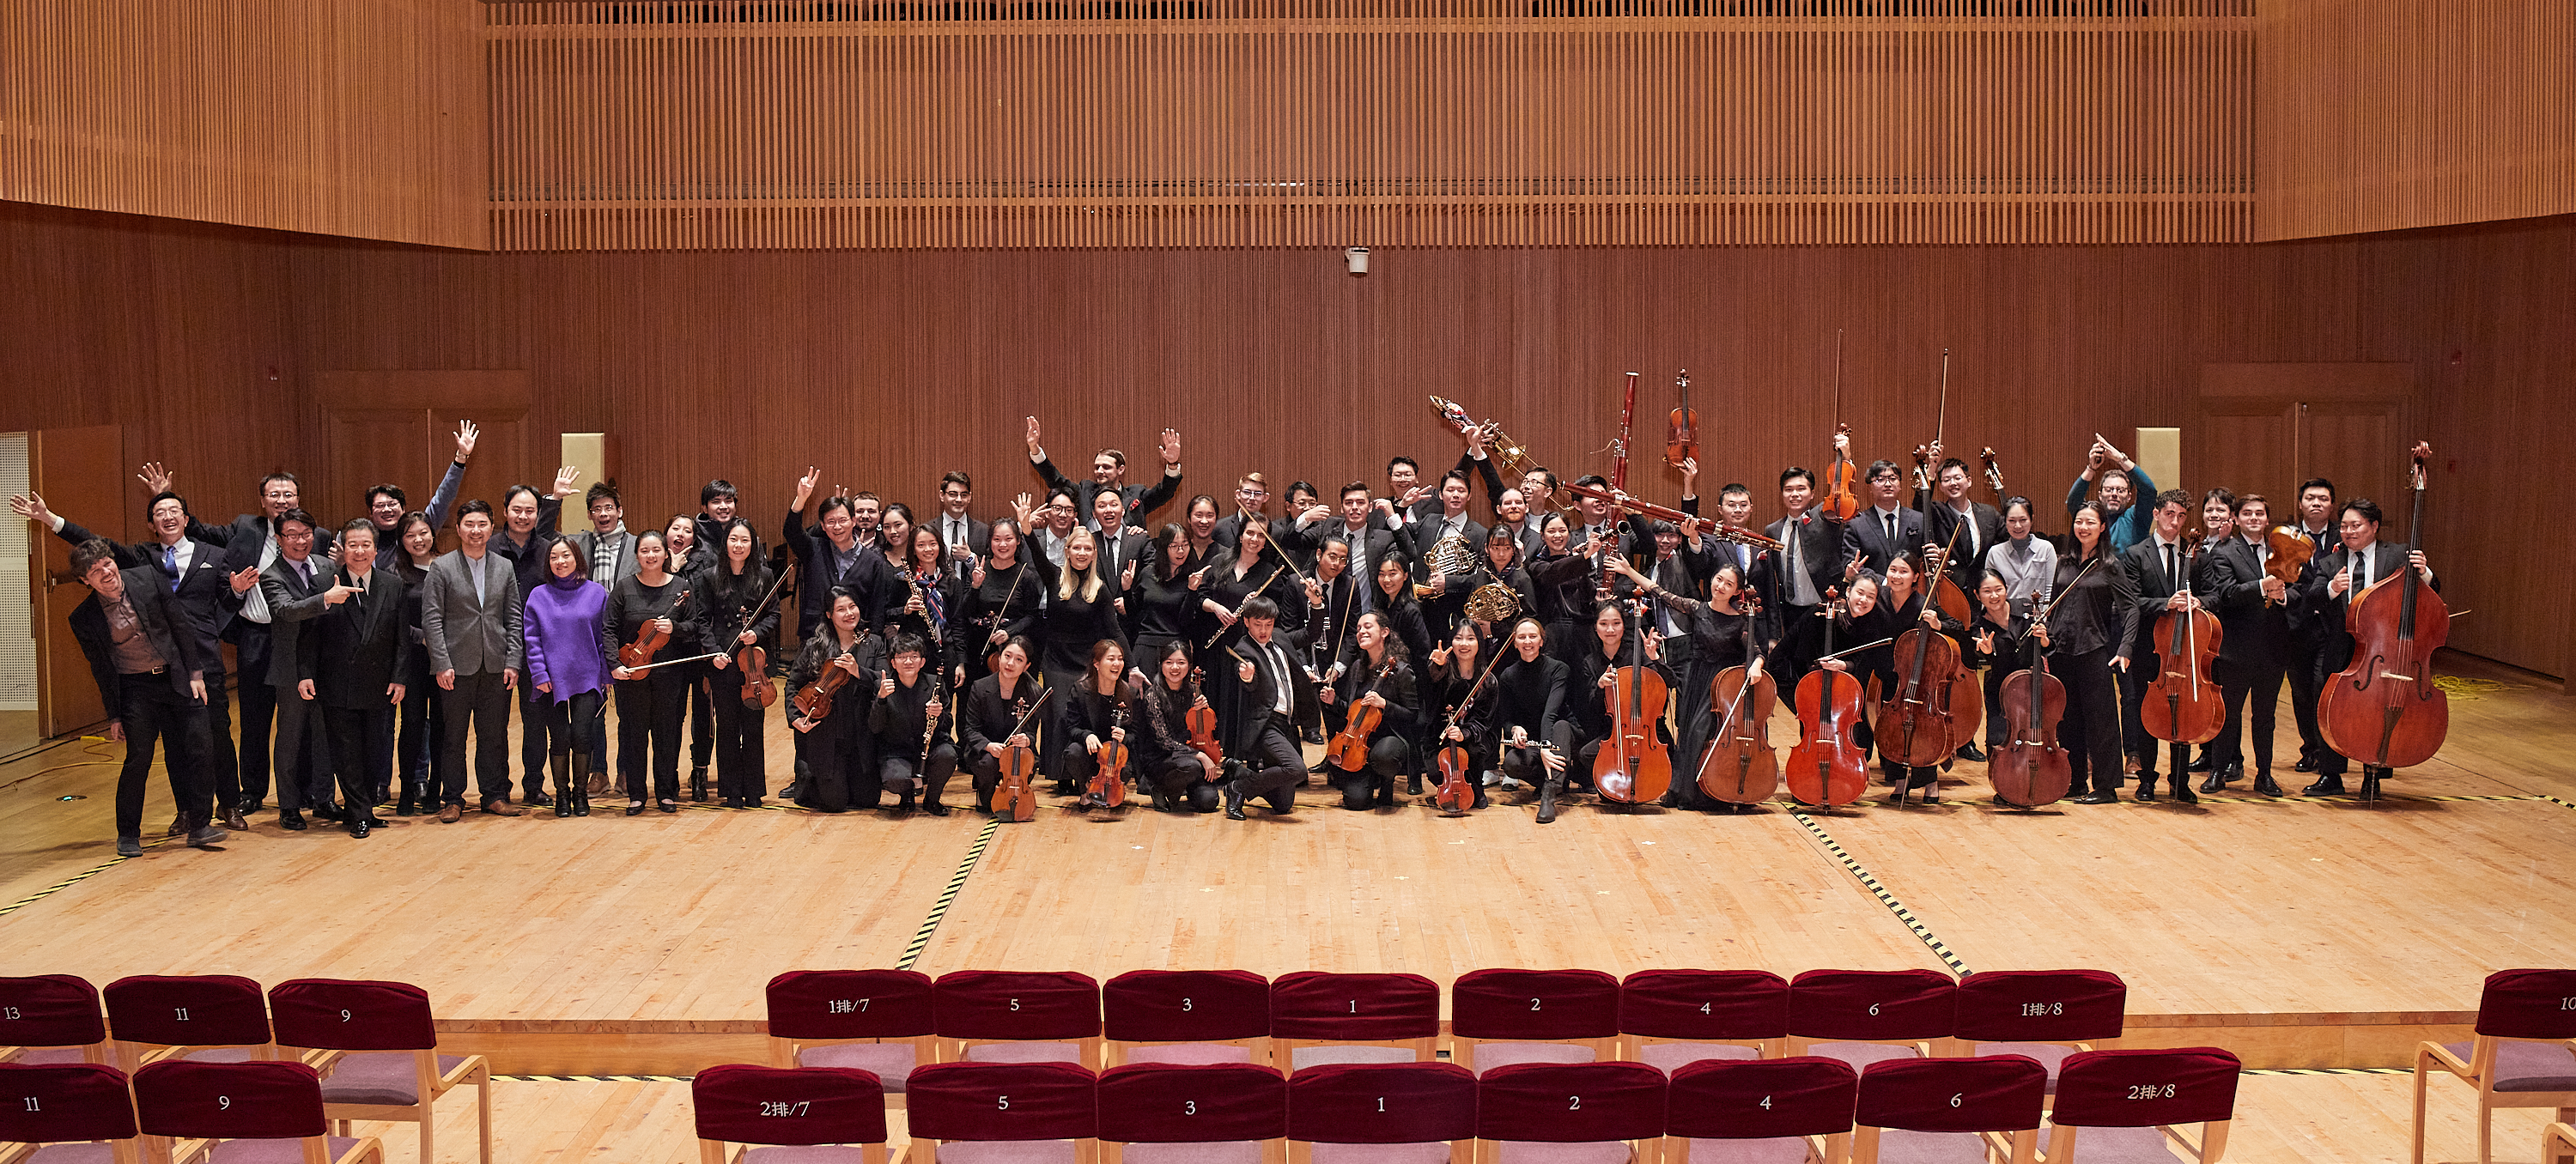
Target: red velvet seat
(2045, 1014)
(219, 1018)
(1870, 1016)
(796, 1115)
(2114, 1106)
(1004, 1113)
(1164, 1113)
(1382, 1113)
(77, 1111)
(1760, 1111)
(879, 1021)
(1569, 1113)
(1187, 1016)
(262, 1112)
(390, 1068)
(1018, 1016)
(1671, 1017)
(1320, 1018)
(51, 1018)
(2521, 1056)
(1501, 1017)
(1943, 1111)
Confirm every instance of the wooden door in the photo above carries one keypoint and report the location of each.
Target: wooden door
(400, 426)
(2358, 445)
(2267, 427)
(79, 471)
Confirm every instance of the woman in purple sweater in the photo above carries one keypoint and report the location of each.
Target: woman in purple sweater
(570, 653)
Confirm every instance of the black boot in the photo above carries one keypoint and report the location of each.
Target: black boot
(1547, 794)
(1233, 790)
(582, 772)
(2182, 789)
(698, 784)
(1480, 796)
(1412, 787)
(565, 781)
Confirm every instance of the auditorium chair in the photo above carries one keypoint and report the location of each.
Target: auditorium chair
(1004, 1113)
(1870, 1016)
(257, 1112)
(1671, 1017)
(788, 1115)
(2558, 1143)
(2127, 1104)
(1568, 1113)
(1382, 1113)
(2524, 1054)
(71, 1113)
(210, 1018)
(1501, 1017)
(387, 1065)
(51, 1018)
(1318, 1018)
(878, 1021)
(1214, 1113)
(1186, 1016)
(1932, 1110)
(1759, 1111)
(1017, 1016)
(2045, 1014)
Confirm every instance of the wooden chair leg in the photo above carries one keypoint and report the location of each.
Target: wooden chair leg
(2420, 1062)
(483, 1114)
(428, 1116)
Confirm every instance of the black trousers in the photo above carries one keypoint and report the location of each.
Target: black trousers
(840, 761)
(2237, 682)
(155, 714)
(362, 744)
(417, 754)
(2307, 674)
(702, 713)
(741, 754)
(648, 721)
(2090, 731)
(258, 711)
(904, 774)
(300, 756)
(1995, 725)
(1277, 767)
(222, 766)
(1183, 779)
(478, 703)
(1389, 756)
(2133, 694)
(577, 725)
(532, 736)
(2332, 658)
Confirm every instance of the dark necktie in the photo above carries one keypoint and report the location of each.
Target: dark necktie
(170, 565)
(2170, 580)
(1889, 517)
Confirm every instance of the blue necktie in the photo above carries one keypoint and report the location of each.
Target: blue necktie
(170, 566)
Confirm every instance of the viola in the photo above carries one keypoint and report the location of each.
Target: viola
(2384, 710)
(1109, 778)
(649, 641)
(1633, 766)
(1740, 767)
(1681, 437)
(2288, 557)
(1200, 719)
(2031, 769)
(2183, 705)
(1349, 749)
(1456, 794)
(1825, 766)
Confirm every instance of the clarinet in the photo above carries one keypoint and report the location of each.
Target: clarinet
(929, 725)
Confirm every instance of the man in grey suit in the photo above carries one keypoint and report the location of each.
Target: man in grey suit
(610, 552)
(469, 620)
(298, 587)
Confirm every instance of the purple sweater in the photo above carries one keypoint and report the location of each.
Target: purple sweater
(569, 643)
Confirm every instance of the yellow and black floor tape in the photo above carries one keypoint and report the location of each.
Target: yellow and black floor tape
(1869, 881)
(956, 881)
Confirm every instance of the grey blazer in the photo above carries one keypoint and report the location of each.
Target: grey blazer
(292, 607)
(466, 636)
(587, 543)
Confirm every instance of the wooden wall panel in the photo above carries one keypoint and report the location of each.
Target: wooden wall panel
(350, 117)
(628, 126)
(2387, 114)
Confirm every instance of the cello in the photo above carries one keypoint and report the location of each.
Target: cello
(1633, 765)
(2384, 709)
(1456, 794)
(2032, 769)
(1740, 767)
(1681, 437)
(1825, 765)
(1016, 801)
(2183, 705)
(1936, 702)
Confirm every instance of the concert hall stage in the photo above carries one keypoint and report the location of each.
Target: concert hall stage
(2298, 933)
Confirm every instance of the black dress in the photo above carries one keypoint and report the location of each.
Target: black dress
(1530, 694)
(1390, 751)
(1010, 599)
(840, 752)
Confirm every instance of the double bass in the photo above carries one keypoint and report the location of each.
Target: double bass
(2032, 769)
(1633, 766)
(1825, 767)
(1740, 767)
(2183, 705)
(2384, 709)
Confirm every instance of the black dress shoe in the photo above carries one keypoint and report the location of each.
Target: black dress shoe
(935, 808)
(358, 828)
(1968, 751)
(2200, 765)
(2331, 785)
(2263, 784)
(667, 806)
(2212, 783)
(538, 800)
(2146, 788)
(2182, 793)
(2099, 796)
(2305, 764)
(635, 808)
(291, 821)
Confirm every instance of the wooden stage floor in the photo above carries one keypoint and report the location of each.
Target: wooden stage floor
(2300, 933)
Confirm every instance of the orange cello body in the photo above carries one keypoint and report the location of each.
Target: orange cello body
(1741, 767)
(1633, 766)
(1825, 767)
(1920, 719)
(2031, 769)
(2183, 705)
(2384, 709)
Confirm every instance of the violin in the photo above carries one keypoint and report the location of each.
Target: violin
(1109, 777)
(1200, 719)
(651, 639)
(2287, 559)
(758, 689)
(2384, 709)
(2183, 704)
(1456, 793)
(1840, 503)
(2032, 769)
(815, 701)
(1994, 476)
(1349, 749)
(1633, 766)
(1936, 702)
(1741, 768)
(1015, 801)
(1681, 439)
(1825, 765)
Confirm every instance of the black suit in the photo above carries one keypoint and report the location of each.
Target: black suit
(2329, 612)
(300, 755)
(2154, 586)
(359, 649)
(1140, 499)
(1260, 739)
(1865, 537)
(1966, 561)
(204, 593)
(154, 706)
(246, 542)
(1800, 635)
(2254, 652)
(2307, 641)
(979, 541)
